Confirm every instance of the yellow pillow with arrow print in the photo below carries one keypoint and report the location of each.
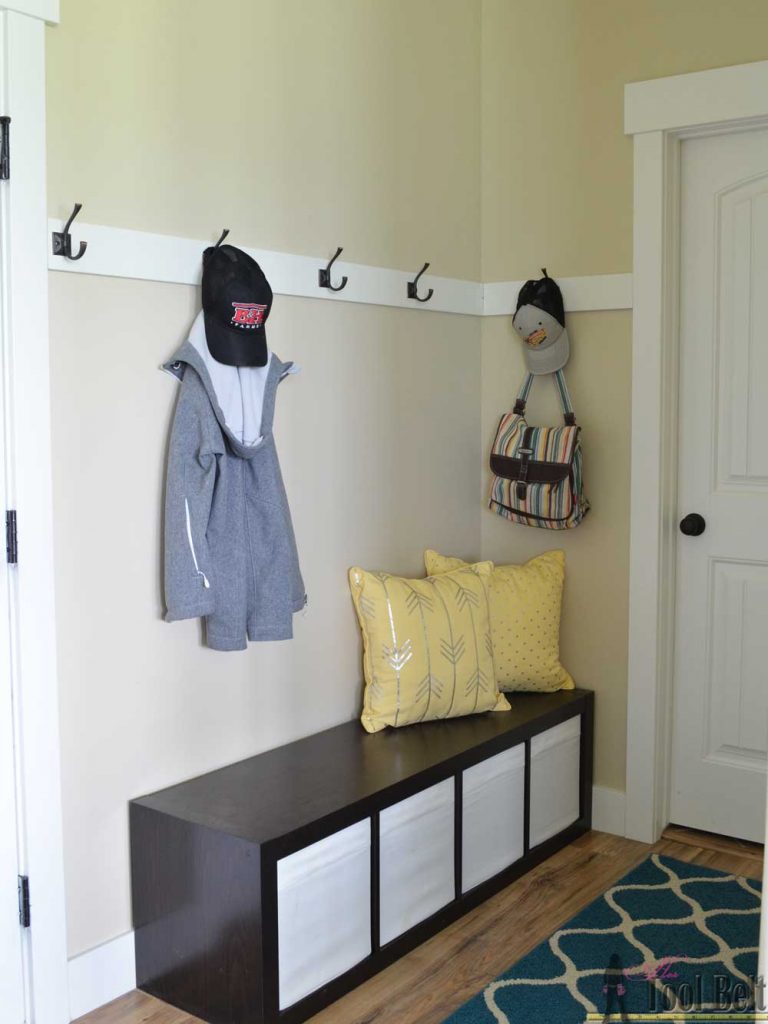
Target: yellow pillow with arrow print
(427, 650)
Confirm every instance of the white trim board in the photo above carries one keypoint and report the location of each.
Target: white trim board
(580, 294)
(608, 810)
(122, 252)
(101, 975)
(44, 10)
(714, 97)
(107, 972)
(25, 371)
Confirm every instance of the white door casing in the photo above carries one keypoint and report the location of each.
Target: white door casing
(29, 627)
(660, 114)
(762, 959)
(13, 966)
(720, 719)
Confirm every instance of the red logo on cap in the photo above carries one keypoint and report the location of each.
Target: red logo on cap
(248, 315)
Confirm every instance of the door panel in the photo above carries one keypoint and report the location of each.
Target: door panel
(738, 595)
(720, 723)
(742, 355)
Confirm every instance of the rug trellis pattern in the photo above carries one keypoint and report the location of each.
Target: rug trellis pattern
(665, 924)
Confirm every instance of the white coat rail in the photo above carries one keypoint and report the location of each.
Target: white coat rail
(121, 252)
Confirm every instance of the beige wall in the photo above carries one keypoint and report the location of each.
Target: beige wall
(299, 125)
(557, 192)
(557, 168)
(594, 624)
(404, 130)
(378, 443)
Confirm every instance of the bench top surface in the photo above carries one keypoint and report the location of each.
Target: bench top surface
(274, 794)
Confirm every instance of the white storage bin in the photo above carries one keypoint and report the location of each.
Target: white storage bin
(555, 763)
(493, 816)
(416, 859)
(323, 911)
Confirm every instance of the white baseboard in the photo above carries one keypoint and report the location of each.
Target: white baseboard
(608, 810)
(106, 972)
(101, 975)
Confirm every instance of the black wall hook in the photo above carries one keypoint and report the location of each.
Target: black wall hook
(224, 234)
(413, 287)
(62, 240)
(324, 274)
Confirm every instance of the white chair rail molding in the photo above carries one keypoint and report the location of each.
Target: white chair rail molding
(121, 252)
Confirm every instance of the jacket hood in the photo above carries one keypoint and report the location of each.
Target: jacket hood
(236, 393)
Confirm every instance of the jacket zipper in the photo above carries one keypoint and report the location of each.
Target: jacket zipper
(198, 571)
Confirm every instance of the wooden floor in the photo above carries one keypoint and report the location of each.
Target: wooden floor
(431, 982)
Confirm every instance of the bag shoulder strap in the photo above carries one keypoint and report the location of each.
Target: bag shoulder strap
(562, 390)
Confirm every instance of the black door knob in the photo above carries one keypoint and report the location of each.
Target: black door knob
(693, 525)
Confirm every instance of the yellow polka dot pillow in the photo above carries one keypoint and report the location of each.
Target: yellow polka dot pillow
(426, 646)
(525, 620)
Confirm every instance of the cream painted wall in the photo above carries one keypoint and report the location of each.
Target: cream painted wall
(595, 608)
(302, 126)
(299, 125)
(557, 168)
(557, 192)
(378, 442)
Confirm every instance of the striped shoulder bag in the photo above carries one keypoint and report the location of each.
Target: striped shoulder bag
(537, 477)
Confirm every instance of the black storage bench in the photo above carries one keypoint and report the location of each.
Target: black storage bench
(264, 891)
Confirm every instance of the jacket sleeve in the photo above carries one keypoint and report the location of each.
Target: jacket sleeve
(190, 584)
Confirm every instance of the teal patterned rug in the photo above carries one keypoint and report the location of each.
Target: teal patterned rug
(668, 939)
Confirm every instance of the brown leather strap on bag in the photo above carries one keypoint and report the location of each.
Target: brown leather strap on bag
(524, 452)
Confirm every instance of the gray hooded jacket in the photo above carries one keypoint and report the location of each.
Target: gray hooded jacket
(230, 552)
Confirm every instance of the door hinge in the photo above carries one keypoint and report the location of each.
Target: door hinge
(5, 147)
(11, 537)
(25, 910)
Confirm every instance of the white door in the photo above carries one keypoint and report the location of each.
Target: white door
(11, 967)
(12, 1006)
(12, 1001)
(720, 727)
(12, 978)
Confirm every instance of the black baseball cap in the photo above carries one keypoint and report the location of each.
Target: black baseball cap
(237, 300)
(544, 294)
(540, 321)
